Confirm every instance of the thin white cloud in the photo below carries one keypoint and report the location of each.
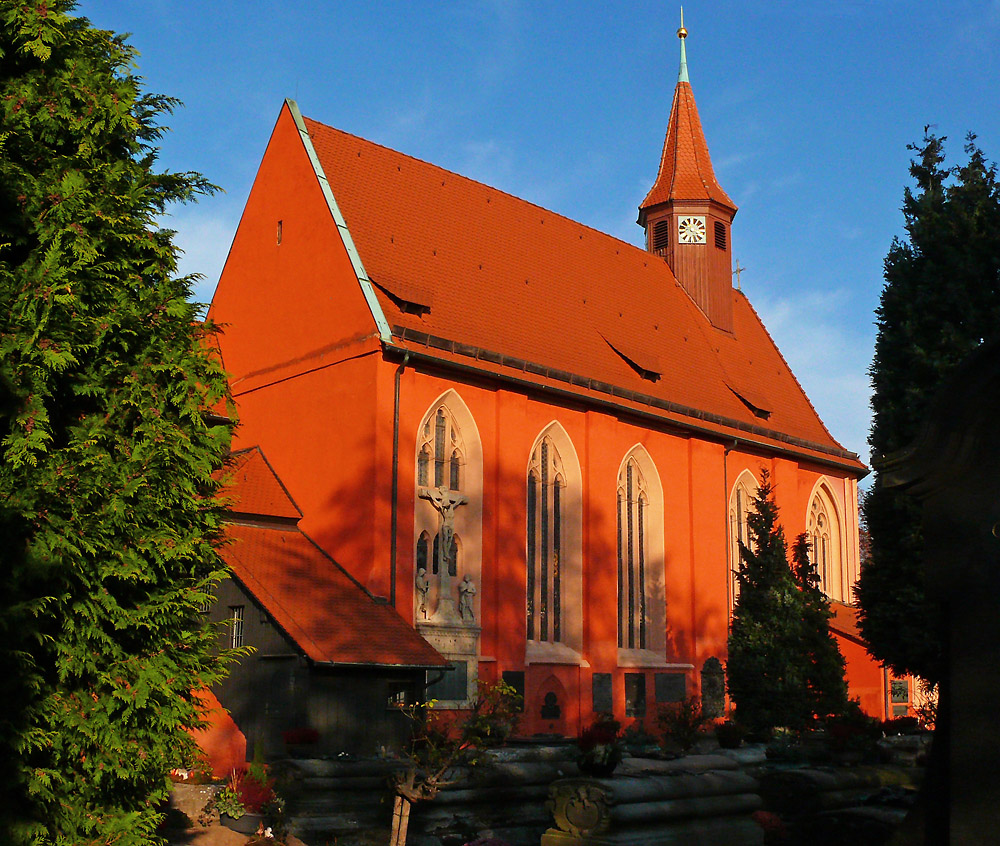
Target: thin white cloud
(830, 354)
(204, 235)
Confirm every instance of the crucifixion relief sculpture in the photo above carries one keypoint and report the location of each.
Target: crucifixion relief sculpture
(445, 502)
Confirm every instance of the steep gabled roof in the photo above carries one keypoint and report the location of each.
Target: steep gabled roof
(331, 618)
(325, 612)
(474, 277)
(255, 490)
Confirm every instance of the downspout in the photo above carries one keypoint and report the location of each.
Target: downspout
(394, 496)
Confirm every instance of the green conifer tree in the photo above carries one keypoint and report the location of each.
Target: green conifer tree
(825, 676)
(767, 673)
(941, 300)
(108, 513)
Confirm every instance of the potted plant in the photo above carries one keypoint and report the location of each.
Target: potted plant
(730, 734)
(600, 747)
(245, 800)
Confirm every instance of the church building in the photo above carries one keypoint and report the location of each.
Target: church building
(535, 445)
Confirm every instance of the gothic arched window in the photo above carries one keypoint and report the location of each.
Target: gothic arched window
(546, 482)
(633, 517)
(740, 503)
(823, 531)
(441, 448)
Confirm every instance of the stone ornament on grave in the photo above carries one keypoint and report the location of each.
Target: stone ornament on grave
(580, 810)
(713, 688)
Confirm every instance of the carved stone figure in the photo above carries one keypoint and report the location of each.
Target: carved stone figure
(423, 586)
(466, 590)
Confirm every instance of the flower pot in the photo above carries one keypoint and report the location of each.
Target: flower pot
(247, 824)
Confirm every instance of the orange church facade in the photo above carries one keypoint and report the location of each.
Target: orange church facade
(536, 442)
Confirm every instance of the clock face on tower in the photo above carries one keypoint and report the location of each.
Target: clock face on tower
(691, 229)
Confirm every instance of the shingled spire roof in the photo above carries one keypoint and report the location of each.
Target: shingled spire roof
(685, 166)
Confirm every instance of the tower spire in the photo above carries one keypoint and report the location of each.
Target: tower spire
(686, 214)
(682, 75)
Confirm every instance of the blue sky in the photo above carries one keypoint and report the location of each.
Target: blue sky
(807, 108)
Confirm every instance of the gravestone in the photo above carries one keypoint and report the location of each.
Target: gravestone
(713, 689)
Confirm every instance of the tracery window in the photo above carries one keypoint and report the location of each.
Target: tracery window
(441, 449)
(633, 530)
(823, 531)
(545, 509)
(740, 504)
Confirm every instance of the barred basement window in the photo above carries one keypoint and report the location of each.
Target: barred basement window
(236, 626)
(720, 235)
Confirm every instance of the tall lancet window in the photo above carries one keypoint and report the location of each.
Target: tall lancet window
(546, 486)
(740, 503)
(633, 530)
(441, 455)
(823, 531)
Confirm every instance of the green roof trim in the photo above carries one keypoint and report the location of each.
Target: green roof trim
(384, 333)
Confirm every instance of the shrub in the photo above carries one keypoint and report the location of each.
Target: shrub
(601, 746)
(681, 721)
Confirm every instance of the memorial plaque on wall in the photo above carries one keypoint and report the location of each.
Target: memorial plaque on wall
(670, 687)
(453, 686)
(602, 693)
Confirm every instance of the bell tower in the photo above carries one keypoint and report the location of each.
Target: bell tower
(686, 214)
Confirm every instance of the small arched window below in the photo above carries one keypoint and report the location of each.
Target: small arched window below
(452, 558)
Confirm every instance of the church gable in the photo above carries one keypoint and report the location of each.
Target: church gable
(290, 295)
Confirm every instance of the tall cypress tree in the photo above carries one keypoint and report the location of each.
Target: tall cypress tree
(941, 300)
(825, 675)
(767, 673)
(108, 514)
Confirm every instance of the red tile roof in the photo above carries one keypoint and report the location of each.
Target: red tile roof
(685, 167)
(845, 621)
(518, 290)
(254, 488)
(315, 602)
(326, 613)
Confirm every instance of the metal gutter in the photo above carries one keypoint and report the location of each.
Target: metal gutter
(395, 483)
(618, 408)
(384, 333)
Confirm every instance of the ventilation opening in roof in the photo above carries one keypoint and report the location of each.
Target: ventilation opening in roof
(407, 301)
(756, 403)
(646, 365)
(720, 235)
